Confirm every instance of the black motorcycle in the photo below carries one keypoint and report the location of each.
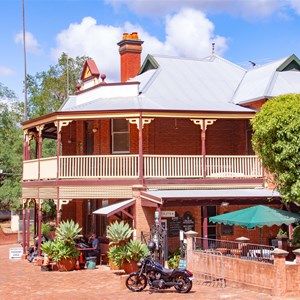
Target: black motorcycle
(158, 277)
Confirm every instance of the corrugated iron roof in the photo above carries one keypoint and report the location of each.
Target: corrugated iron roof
(210, 84)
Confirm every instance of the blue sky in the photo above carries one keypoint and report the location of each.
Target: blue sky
(256, 30)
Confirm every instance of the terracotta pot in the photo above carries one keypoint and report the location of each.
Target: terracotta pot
(113, 266)
(66, 264)
(130, 267)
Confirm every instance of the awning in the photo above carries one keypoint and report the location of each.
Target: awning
(115, 208)
(162, 197)
(213, 193)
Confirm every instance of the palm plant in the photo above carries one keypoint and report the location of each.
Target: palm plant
(137, 250)
(64, 246)
(118, 233)
(68, 232)
(132, 251)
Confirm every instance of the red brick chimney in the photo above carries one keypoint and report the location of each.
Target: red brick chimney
(130, 49)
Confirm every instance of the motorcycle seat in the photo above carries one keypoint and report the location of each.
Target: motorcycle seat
(167, 271)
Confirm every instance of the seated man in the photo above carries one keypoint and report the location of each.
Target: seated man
(95, 244)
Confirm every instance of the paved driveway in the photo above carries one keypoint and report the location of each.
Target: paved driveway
(20, 279)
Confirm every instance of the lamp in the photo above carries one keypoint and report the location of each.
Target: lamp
(95, 130)
(224, 203)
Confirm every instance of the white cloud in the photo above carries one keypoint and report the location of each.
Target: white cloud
(188, 33)
(295, 4)
(5, 71)
(32, 45)
(248, 9)
(97, 41)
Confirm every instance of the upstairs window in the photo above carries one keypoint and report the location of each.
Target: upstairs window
(120, 136)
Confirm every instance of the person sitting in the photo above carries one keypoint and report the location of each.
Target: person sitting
(95, 244)
(33, 250)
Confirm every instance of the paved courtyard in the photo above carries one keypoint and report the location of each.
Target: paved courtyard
(20, 279)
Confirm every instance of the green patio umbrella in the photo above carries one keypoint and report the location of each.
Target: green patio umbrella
(257, 216)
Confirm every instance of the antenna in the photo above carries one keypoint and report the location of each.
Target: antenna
(252, 63)
(213, 49)
(25, 71)
(67, 75)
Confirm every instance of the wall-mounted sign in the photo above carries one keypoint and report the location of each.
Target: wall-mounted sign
(174, 227)
(175, 224)
(168, 214)
(188, 222)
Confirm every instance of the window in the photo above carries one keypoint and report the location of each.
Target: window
(120, 136)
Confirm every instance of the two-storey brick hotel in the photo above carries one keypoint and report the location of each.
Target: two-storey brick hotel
(173, 136)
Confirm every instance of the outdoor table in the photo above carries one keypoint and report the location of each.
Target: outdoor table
(84, 250)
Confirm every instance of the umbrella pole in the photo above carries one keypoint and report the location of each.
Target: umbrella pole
(260, 237)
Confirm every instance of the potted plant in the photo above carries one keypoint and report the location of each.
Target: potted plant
(174, 259)
(126, 256)
(136, 250)
(281, 234)
(118, 234)
(63, 249)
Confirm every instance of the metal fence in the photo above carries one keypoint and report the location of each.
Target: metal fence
(240, 250)
(208, 267)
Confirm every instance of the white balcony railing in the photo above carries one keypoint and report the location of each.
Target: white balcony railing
(104, 166)
(173, 166)
(155, 166)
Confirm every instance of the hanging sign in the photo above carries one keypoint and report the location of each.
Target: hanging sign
(168, 214)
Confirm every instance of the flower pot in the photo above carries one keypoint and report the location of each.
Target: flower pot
(130, 267)
(113, 266)
(66, 264)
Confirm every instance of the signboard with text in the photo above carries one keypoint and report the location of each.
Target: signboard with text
(15, 253)
(168, 214)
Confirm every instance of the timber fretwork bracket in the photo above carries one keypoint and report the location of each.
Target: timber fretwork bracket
(137, 123)
(203, 123)
(60, 124)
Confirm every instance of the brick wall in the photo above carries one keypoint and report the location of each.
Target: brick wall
(163, 136)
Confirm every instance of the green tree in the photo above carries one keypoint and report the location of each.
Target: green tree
(11, 114)
(47, 90)
(276, 140)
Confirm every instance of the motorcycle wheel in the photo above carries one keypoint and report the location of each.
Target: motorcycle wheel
(136, 283)
(184, 284)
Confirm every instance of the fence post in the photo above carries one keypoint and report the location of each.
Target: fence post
(189, 247)
(279, 288)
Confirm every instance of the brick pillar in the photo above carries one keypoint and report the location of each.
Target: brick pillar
(190, 247)
(279, 288)
(139, 215)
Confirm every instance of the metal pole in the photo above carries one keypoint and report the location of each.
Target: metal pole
(25, 71)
